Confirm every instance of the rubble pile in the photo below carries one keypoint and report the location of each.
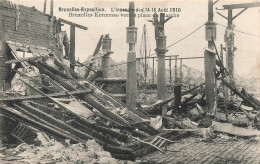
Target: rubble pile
(66, 106)
(75, 112)
(55, 152)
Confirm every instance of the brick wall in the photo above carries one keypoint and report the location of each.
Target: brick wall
(33, 27)
(25, 25)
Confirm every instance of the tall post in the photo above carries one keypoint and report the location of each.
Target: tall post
(145, 55)
(153, 72)
(131, 80)
(170, 70)
(44, 6)
(51, 10)
(229, 39)
(106, 47)
(225, 89)
(161, 50)
(210, 62)
(175, 69)
(221, 53)
(181, 75)
(72, 47)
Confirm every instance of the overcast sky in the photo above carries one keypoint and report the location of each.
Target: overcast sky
(193, 14)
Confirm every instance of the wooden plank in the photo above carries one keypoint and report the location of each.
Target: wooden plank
(25, 59)
(22, 118)
(31, 97)
(73, 24)
(88, 134)
(182, 130)
(231, 129)
(242, 5)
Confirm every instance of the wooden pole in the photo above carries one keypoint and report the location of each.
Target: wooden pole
(51, 10)
(170, 70)
(175, 69)
(44, 6)
(210, 62)
(131, 79)
(153, 72)
(225, 89)
(145, 55)
(72, 47)
(181, 75)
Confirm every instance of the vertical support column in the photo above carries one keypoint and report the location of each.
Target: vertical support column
(175, 69)
(106, 47)
(161, 68)
(51, 10)
(225, 89)
(153, 72)
(145, 55)
(72, 47)
(44, 6)
(177, 87)
(131, 79)
(181, 75)
(229, 38)
(210, 62)
(161, 50)
(170, 70)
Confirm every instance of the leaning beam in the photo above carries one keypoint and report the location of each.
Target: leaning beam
(20, 98)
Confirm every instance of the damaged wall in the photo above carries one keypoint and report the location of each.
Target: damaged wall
(24, 25)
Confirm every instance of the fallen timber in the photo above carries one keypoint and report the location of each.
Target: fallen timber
(31, 97)
(96, 97)
(241, 95)
(52, 130)
(65, 124)
(158, 107)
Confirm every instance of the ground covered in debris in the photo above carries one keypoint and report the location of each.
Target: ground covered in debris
(222, 149)
(53, 151)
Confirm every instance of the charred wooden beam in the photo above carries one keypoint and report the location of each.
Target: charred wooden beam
(61, 124)
(63, 67)
(52, 76)
(245, 98)
(56, 113)
(188, 91)
(73, 24)
(22, 118)
(242, 5)
(94, 54)
(31, 97)
(37, 118)
(101, 108)
(184, 103)
(25, 59)
(53, 70)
